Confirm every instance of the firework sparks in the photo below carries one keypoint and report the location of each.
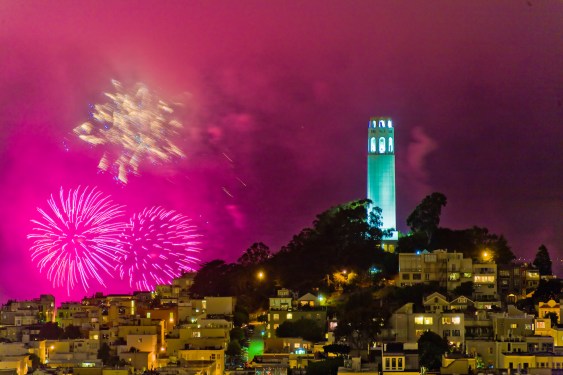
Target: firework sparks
(78, 238)
(134, 125)
(160, 245)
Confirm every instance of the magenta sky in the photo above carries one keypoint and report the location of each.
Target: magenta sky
(278, 95)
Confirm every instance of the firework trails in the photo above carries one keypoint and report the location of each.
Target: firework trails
(78, 238)
(134, 125)
(160, 244)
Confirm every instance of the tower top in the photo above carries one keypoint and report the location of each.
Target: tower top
(380, 122)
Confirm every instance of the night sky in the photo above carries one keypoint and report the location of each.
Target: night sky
(277, 97)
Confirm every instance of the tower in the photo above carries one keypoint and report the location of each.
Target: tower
(381, 173)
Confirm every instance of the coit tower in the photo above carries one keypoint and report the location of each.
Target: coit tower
(381, 173)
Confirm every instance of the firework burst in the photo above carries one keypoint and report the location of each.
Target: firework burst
(160, 244)
(134, 125)
(78, 238)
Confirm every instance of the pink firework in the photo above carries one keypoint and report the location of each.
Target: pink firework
(78, 239)
(160, 244)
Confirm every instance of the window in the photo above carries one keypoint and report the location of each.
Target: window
(289, 316)
(382, 145)
(540, 324)
(446, 332)
(426, 276)
(390, 144)
(490, 350)
(400, 363)
(514, 325)
(456, 320)
(418, 320)
(416, 276)
(276, 316)
(393, 363)
(389, 124)
(428, 320)
(387, 363)
(406, 276)
(372, 147)
(148, 315)
(381, 123)
(456, 332)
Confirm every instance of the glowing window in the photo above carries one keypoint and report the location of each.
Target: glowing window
(456, 320)
(289, 316)
(540, 324)
(390, 144)
(381, 123)
(428, 320)
(372, 146)
(374, 123)
(514, 325)
(381, 145)
(276, 316)
(148, 315)
(389, 124)
(419, 320)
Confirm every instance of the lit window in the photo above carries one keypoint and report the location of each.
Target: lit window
(148, 315)
(382, 145)
(381, 123)
(540, 324)
(428, 320)
(372, 147)
(400, 360)
(289, 316)
(390, 144)
(418, 320)
(514, 325)
(456, 320)
(276, 316)
(389, 124)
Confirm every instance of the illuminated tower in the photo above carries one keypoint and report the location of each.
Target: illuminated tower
(381, 173)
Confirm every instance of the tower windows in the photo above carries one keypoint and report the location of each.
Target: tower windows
(381, 123)
(372, 147)
(389, 124)
(382, 145)
(390, 144)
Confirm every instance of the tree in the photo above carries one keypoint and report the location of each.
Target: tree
(72, 332)
(343, 237)
(214, 278)
(104, 353)
(431, 347)
(464, 289)
(360, 320)
(307, 329)
(426, 216)
(35, 361)
(50, 331)
(256, 254)
(542, 261)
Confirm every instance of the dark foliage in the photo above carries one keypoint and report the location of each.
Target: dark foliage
(360, 320)
(542, 261)
(431, 347)
(325, 367)
(426, 216)
(307, 329)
